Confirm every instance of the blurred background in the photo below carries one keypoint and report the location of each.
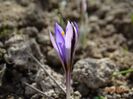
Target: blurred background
(104, 58)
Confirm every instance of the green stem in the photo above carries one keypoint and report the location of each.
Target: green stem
(123, 72)
(68, 85)
(126, 71)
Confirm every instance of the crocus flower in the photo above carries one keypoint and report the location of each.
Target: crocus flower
(65, 44)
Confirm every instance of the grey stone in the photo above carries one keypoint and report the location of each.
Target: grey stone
(48, 86)
(24, 2)
(93, 19)
(93, 73)
(110, 29)
(52, 57)
(34, 17)
(10, 14)
(43, 39)
(1, 44)
(30, 31)
(83, 89)
(17, 51)
(21, 13)
(30, 91)
(76, 95)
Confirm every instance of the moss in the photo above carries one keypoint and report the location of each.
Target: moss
(5, 32)
(100, 97)
(132, 18)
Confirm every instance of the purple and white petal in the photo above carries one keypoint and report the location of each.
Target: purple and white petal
(56, 48)
(68, 40)
(65, 43)
(58, 34)
(61, 48)
(75, 32)
(76, 26)
(59, 28)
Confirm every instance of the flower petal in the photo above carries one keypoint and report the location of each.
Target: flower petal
(61, 47)
(68, 41)
(62, 50)
(75, 32)
(76, 26)
(56, 47)
(59, 33)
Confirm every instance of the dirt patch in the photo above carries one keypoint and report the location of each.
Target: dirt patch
(106, 32)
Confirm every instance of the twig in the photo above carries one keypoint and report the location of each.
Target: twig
(42, 66)
(39, 91)
(2, 72)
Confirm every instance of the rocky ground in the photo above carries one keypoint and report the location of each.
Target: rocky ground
(103, 65)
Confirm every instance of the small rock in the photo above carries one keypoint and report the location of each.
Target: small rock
(30, 31)
(10, 14)
(53, 59)
(43, 39)
(1, 44)
(110, 28)
(104, 9)
(76, 95)
(48, 86)
(34, 17)
(123, 58)
(24, 2)
(17, 51)
(109, 19)
(30, 91)
(83, 89)
(94, 72)
(95, 28)
(93, 19)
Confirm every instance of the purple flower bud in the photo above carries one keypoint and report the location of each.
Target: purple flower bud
(65, 44)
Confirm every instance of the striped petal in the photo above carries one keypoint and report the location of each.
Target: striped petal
(57, 48)
(61, 47)
(75, 32)
(76, 27)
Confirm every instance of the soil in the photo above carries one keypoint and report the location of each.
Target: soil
(106, 32)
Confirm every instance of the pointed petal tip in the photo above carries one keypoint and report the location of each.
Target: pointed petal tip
(69, 26)
(51, 37)
(68, 22)
(56, 24)
(58, 27)
(50, 34)
(76, 26)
